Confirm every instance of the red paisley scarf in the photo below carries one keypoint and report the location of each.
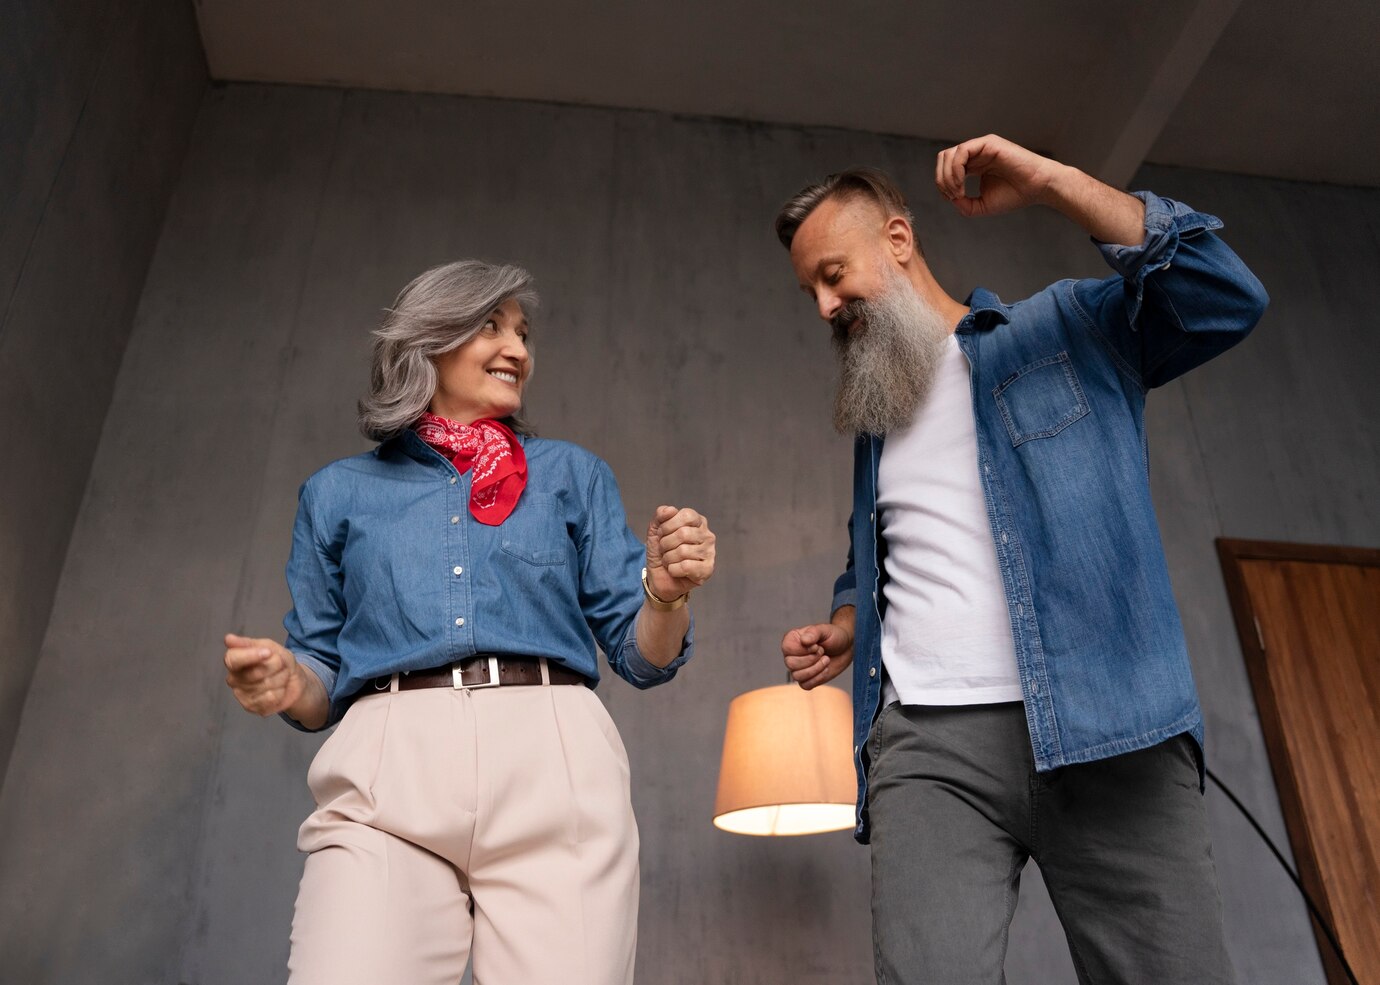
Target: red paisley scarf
(500, 467)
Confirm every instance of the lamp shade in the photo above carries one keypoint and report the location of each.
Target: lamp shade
(787, 767)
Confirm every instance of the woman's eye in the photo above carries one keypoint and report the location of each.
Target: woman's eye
(490, 327)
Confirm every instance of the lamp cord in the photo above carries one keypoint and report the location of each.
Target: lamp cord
(1312, 907)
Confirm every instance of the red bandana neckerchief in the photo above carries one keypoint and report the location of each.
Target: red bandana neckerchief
(500, 467)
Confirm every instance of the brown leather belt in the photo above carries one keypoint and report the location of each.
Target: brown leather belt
(482, 670)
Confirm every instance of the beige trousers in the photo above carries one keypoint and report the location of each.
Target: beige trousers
(497, 816)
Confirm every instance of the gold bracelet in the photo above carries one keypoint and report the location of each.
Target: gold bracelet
(659, 604)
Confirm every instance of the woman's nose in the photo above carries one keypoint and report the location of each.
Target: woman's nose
(515, 348)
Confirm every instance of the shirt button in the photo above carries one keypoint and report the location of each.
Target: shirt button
(1035, 688)
(871, 671)
(872, 517)
(453, 480)
(1004, 538)
(455, 519)
(460, 622)
(458, 570)
(1020, 609)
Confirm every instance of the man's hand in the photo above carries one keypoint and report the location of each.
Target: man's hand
(817, 654)
(1011, 177)
(267, 679)
(680, 551)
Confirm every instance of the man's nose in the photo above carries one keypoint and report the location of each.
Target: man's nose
(828, 304)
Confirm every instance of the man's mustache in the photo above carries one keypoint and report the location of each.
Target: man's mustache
(845, 317)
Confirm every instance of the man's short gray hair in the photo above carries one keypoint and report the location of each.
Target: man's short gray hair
(437, 313)
(869, 183)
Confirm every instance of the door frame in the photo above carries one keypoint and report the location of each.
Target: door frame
(1231, 553)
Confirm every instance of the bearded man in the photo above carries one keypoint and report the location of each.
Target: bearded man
(1021, 684)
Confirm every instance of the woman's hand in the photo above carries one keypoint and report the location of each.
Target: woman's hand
(680, 552)
(267, 679)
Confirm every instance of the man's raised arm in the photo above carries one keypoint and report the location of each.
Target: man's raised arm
(1012, 177)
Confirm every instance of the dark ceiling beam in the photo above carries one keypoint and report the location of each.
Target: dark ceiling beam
(1146, 71)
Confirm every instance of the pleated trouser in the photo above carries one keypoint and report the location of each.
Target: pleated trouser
(493, 823)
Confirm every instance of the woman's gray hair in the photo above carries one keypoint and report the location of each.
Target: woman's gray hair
(438, 312)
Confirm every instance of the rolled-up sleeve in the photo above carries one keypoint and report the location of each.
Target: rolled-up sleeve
(1167, 223)
(611, 559)
(846, 584)
(1182, 295)
(318, 608)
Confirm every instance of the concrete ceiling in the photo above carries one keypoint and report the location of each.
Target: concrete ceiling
(1263, 87)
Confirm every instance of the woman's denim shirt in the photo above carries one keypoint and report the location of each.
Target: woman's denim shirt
(389, 572)
(1058, 385)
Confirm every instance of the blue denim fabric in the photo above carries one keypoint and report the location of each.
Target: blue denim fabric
(389, 572)
(1058, 386)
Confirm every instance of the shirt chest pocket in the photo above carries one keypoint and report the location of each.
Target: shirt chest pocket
(1041, 399)
(536, 532)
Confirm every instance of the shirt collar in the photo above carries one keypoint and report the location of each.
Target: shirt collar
(985, 312)
(413, 446)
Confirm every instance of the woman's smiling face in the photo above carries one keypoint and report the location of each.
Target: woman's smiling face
(484, 378)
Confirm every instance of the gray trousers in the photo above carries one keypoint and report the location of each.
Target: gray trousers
(957, 808)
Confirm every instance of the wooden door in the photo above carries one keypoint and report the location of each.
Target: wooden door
(1309, 622)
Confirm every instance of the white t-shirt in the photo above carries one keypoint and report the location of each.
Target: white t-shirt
(946, 636)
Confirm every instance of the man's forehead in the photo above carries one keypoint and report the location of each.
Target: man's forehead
(835, 224)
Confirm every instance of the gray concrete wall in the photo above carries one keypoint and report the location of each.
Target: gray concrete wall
(99, 99)
(147, 823)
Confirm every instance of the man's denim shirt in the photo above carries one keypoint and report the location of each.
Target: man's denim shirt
(389, 572)
(1058, 385)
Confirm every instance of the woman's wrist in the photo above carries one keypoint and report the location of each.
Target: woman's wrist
(312, 705)
(662, 599)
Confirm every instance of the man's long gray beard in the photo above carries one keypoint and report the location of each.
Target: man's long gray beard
(886, 370)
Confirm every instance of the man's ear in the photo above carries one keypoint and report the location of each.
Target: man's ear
(900, 239)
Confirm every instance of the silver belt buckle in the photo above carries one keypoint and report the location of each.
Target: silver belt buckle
(460, 685)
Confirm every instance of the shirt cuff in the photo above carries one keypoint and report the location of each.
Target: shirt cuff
(1166, 223)
(845, 590)
(641, 672)
(327, 676)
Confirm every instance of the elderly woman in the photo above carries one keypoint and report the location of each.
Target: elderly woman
(448, 589)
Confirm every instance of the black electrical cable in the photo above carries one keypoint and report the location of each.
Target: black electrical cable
(1312, 907)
